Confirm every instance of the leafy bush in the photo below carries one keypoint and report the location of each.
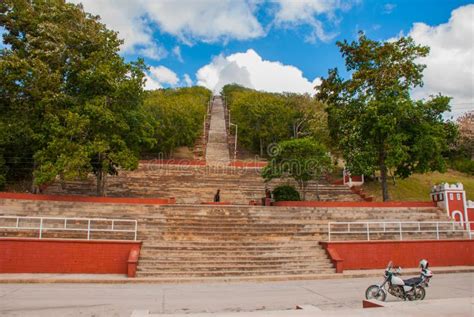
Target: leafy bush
(286, 193)
(464, 166)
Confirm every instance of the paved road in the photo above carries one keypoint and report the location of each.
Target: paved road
(122, 299)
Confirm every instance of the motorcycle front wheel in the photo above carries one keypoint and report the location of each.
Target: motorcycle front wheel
(420, 293)
(375, 292)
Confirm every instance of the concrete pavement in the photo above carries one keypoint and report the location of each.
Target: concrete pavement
(123, 299)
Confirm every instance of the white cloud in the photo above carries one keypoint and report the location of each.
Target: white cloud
(388, 8)
(187, 80)
(159, 76)
(294, 13)
(250, 70)
(206, 20)
(127, 18)
(177, 53)
(450, 64)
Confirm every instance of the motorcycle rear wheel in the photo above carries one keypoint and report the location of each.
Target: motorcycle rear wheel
(375, 292)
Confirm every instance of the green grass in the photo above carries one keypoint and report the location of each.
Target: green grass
(418, 186)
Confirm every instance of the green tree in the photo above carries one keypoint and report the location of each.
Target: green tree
(302, 159)
(177, 116)
(67, 95)
(372, 116)
(262, 118)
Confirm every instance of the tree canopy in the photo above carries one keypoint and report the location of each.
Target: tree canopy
(70, 104)
(265, 118)
(372, 117)
(303, 160)
(177, 116)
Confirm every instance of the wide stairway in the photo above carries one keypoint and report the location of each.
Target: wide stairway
(195, 184)
(217, 149)
(196, 241)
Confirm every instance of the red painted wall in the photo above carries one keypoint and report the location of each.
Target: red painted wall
(175, 162)
(470, 215)
(376, 254)
(355, 204)
(89, 199)
(243, 164)
(19, 255)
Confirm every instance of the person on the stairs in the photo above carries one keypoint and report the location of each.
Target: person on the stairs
(217, 196)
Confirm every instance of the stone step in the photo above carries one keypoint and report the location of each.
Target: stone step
(235, 273)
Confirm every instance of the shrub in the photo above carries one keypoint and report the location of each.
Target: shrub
(464, 166)
(286, 193)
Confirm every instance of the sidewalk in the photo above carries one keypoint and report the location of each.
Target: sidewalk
(122, 279)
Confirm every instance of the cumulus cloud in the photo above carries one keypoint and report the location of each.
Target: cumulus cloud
(207, 20)
(250, 70)
(291, 13)
(159, 76)
(128, 19)
(450, 68)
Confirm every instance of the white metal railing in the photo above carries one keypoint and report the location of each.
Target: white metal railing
(89, 225)
(398, 228)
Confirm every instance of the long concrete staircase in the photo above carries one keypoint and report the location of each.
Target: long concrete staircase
(217, 150)
(199, 241)
(195, 184)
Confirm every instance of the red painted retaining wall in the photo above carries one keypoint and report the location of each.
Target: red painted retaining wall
(175, 162)
(21, 255)
(355, 204)
(354, 255)
(248, 164)
(89, 199)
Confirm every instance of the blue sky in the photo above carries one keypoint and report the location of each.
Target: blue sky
(287, 45)
(290, 47)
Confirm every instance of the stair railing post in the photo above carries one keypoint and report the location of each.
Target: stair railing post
(368, 232)
(329, 231)
(88, 229)
(437, 230)
(400, 228)
(41, 228)
(136, 225)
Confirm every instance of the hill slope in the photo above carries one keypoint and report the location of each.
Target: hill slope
(418, 186)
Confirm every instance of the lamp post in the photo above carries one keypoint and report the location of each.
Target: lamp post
(235, 140)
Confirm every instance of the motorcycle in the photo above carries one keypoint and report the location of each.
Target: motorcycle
(410, 289)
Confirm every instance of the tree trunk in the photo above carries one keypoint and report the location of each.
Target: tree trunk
(261, 147)
(34, 188)
(100, 178)
(303, 189)
(317, 190)
(383, 178)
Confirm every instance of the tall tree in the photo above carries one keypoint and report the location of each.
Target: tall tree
(372, 116)
(64, 86)
(302, 159)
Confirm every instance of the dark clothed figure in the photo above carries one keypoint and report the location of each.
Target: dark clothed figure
(217, 196)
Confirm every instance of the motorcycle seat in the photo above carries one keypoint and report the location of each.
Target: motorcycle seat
(412, 281)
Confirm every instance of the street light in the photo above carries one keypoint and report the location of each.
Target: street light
(235, 144)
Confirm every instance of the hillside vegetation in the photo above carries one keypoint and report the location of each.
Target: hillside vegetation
(418, 186)
(176, 116)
